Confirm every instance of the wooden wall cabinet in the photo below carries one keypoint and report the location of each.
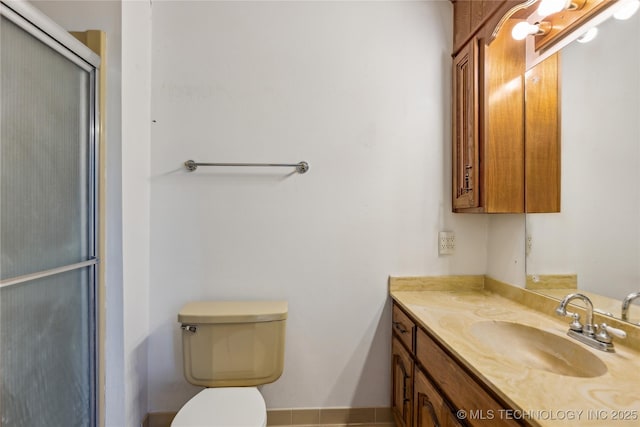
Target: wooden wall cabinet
(466, 160)
(488, 149)
(470, 15)
(488, 116)
(430, 386)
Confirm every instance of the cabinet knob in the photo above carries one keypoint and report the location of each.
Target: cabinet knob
(400, 327)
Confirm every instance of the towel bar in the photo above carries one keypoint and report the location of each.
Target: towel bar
(301, 167)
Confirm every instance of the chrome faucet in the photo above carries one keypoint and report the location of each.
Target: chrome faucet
(596, 336)
(626, 303)
(588, 328)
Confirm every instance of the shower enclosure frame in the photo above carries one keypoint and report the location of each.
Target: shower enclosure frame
(47, 31)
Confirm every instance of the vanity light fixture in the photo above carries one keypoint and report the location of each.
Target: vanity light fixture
(627, 9)
(589, 35)
(549, 7)
(523, 29)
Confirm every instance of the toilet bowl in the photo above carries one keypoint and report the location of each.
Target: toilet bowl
(230, 347)
(227, 406)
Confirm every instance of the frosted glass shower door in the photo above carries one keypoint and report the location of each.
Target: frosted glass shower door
(47, 230)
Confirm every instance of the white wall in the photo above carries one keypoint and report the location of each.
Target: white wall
(360, 90)
(136, 94)
(106, 16)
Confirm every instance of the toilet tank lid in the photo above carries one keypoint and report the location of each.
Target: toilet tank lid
(233, 311)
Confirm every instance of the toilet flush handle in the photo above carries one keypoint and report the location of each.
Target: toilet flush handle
(189, 328)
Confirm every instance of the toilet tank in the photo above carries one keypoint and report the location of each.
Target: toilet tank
(233, 343)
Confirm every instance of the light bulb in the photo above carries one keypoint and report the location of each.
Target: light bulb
(549, 7)
(522, 29)
(589, 35)
(627, 9)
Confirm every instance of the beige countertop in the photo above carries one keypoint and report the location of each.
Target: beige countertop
(546, 398)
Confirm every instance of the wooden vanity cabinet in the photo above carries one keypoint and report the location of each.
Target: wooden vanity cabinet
(430, 386)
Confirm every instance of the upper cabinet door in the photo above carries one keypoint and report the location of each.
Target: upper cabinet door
(465, 129)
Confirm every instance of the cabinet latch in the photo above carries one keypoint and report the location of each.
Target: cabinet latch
(467, 178)
(189, 328)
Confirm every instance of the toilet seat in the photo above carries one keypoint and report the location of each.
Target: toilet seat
(223, 407)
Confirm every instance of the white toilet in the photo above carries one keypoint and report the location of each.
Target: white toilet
(230, 347)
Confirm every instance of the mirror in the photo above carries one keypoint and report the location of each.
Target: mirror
(594, 242)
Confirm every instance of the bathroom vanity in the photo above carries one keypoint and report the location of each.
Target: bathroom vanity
(421, 368)
(468, 351)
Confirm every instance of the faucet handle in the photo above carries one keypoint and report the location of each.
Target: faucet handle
(618, 333)
(604, 330)
(575, 324)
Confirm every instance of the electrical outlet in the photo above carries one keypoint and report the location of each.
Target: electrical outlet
(529, 244)
(446, 243)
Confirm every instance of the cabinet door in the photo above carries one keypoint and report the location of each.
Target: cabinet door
(403, 328)
(465, 128)
(449, 419)
(431, 409)
(428, 402)
(542, 136)
(460, 389)
(402, 381)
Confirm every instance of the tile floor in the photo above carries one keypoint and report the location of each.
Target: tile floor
(326, 417)
(364, 417)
